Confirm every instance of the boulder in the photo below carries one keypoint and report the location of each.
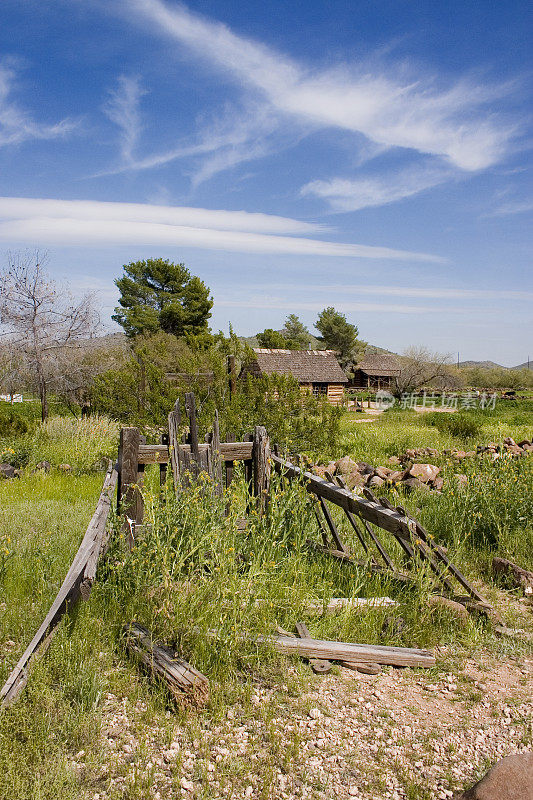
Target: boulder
(397, 476)
(394, 460)
(319, 470)
(64, 467)
(383, 472)
(331, 467)
(345, 466)
(376, 481)
(459, 454)
(355, 479)
(461, 480)
(7, 471)
(509, 441)
(414, 483)
(44, 466)
(364, 468)
(438, 483)
(509, 779)
(424, 472)
(523, 442)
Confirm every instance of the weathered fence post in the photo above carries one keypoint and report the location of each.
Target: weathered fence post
(131, 502)
(232, 375)
(261, 467)
(174, 420)
(216, 462)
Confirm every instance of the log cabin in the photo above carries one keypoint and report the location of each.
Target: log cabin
(317, 371)
(376, 371)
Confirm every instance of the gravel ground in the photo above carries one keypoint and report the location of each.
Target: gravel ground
(400, 734)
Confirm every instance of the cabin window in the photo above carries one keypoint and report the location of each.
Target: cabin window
(319, 389)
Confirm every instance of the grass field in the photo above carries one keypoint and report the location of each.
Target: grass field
(196, 570)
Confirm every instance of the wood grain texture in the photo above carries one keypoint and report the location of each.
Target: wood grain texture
(346, 651)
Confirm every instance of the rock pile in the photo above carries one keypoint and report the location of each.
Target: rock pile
(406, 471)
(358, 474)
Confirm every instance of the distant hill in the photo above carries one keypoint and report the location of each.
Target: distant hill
(481, 364)
(525, 365)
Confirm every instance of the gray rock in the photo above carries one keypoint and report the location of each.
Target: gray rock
(509, 779)
(346, 465)
(45, 466)
(424, 472)
(7, 471)
(376, 481)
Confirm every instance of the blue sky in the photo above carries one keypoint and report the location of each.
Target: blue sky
(374, 156)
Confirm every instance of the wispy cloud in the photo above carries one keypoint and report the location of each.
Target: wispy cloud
(16, 124)
(390, 110)
(122, 108)
(298, 305)
(437, 293)
(511, 207)
(70, 222)
(352, 195)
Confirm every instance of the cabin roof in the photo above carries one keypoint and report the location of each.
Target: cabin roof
(307, 366)
(380, 364)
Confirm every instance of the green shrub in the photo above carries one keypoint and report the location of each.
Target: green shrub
(464, 426)
(12, 422)
(81, 443)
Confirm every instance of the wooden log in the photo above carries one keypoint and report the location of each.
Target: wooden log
(261, 467)
(347, 651)
(391, 521)
(163, 465)
(182, 680)
(518, 576)
(76, 585)
(320, 666)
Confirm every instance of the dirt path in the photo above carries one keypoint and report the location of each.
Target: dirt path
(398, 735)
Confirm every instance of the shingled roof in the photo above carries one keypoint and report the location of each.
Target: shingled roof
(380, 364)
(307, 366)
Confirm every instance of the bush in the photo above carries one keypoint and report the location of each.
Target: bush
(463, 426)
(12, 422)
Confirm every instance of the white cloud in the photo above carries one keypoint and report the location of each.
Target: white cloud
(352, 195)
(16, 124)
(342, 306)
(512, 207)
(412, 291)
(72, 222)
(122, 108)
(394, 112)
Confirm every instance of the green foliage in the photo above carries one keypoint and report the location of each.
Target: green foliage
(462, 425)
(295, 420)
(272, 339)
(12, 421)
(337, 334)
(159, 295)
(296, 334)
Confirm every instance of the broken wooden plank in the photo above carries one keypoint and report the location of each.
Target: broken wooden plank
(361, 666)
(182, 680)
(216, 458)
(374, 513)
(320, 666)
(339, 544)
(261, 467)
(347, 651)
(377, 568)
(174, 420)
(81, 573)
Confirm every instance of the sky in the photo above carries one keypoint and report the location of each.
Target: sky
(374, 156)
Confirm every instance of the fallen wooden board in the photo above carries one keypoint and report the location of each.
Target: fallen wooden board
(182, 680)
(360, 666)
(77, 584)
(320, 666)
(345, 651)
